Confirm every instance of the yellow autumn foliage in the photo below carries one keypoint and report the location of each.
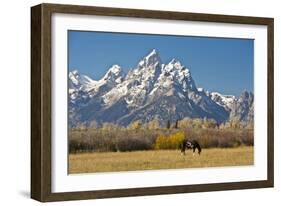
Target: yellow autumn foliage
(169, 142)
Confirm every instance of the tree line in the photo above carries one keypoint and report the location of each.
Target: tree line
(195, 123)
(154, 135)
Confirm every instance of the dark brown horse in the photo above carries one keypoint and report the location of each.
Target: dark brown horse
(190, 144)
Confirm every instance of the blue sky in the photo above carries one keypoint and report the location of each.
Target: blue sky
(216, 64)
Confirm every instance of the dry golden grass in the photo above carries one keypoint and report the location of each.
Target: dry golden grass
(158, 159)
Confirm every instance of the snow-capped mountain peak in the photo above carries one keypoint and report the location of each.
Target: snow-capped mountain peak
(79, 86)
(79, 81)
(245, 95)
(243, 108)
(179, 74)
(74, 72)
(152, 59)
(113, 73)
(175, 66)
(175, 63)
(74, 77)
(115, 69)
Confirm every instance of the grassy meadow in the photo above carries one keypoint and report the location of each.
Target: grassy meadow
(90, 162)
(152, 146)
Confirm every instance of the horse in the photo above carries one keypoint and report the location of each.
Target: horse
(190, 144)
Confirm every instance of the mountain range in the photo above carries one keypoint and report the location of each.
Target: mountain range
(151, 90)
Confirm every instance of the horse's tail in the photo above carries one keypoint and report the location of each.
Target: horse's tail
(181, 145)
(199, 148)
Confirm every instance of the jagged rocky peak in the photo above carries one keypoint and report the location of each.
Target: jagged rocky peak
(114, 74)
(79, 81)
(114, 71)
(175, 67)
(180, 74)
(74, 76)
(245, 95)
(74, 72)
(147, 71)
(243, 108)
(152, 59)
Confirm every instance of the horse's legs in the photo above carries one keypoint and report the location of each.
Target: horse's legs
(183, 151)
(199, 149)
(193, 149)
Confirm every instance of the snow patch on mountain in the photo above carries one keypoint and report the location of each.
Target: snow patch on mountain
(223, 100)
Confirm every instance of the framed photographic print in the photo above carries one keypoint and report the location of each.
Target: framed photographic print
(130, 102)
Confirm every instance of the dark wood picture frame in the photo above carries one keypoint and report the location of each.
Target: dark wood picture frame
(41, 95)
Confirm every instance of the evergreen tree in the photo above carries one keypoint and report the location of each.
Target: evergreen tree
(168, 124)
(176, 124)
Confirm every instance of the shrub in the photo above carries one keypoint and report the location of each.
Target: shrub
(162, 142)
(176, 139)
(169, 142)
(134, 141)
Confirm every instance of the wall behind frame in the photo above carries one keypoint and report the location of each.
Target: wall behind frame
(15, 101)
